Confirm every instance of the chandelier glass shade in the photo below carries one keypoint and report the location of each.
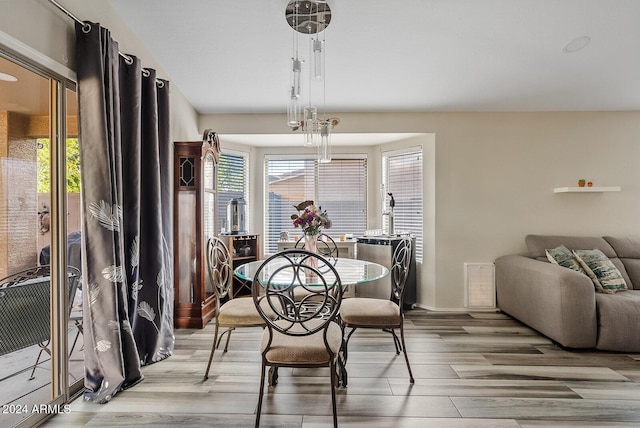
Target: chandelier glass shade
(310, 18)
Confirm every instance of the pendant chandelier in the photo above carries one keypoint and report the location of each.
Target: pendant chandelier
(309, 17)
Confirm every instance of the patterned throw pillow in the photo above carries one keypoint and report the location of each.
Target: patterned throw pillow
(564, 257)
(604, 274)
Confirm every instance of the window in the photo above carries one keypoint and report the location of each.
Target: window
(232, 183)
(338, 186)
(34, 138)
(402, 176)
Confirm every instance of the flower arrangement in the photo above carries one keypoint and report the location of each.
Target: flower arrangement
(310, 218)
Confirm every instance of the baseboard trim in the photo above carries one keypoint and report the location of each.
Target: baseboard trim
(461, 310)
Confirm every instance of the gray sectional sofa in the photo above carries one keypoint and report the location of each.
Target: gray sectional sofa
(562, 304)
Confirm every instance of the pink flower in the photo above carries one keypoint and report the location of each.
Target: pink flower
(310, 218)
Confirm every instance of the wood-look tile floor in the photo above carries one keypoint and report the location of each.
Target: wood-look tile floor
(472, 370)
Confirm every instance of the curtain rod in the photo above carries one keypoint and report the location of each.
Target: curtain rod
(86, 27)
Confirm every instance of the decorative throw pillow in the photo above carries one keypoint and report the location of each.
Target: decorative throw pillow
(564, 257)
(604, 274)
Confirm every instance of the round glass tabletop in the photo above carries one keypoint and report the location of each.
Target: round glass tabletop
(351, 271)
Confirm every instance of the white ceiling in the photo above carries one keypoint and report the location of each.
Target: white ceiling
(400, 56)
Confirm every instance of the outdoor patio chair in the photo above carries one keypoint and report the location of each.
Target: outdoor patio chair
(24, 309)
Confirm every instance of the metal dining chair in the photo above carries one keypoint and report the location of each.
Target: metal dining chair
(237, 312)
(387, 315)
(297, 336)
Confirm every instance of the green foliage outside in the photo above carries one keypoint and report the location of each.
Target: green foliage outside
(73, 165)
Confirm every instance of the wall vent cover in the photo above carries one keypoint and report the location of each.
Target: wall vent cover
(480, 288)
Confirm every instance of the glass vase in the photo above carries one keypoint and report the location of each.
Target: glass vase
(311, 243)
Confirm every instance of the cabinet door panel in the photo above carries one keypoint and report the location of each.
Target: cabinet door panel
(187, 251)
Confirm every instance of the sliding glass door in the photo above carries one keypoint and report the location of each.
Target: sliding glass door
(40, 367)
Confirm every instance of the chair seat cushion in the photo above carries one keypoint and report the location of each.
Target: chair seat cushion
(301, 350)
(362, 311)
(240, 311)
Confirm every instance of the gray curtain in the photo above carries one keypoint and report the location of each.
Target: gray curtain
(127, 261)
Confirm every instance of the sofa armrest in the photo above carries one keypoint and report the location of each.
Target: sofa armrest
(558, 302)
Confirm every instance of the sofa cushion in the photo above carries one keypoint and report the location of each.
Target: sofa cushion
(537, 244)
(604, 274)
(628, 250)
(618, 321)
(632, 268)
(564, 257)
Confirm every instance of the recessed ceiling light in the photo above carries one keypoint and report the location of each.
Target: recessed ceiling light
(7, 77)
(576, 44)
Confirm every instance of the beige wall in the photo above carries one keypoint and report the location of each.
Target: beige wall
(492, 180)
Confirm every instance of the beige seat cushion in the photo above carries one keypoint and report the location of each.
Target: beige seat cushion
(361, 311)
(301, 350)
(299, 293)
(241, 311)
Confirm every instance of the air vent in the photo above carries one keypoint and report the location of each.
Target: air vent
(480, 289)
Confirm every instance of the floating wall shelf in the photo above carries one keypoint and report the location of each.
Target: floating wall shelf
(587, 189)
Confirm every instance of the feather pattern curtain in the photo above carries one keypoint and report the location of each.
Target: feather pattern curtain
(127, 260)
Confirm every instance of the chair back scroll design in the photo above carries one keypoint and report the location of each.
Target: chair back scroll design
(326, 246)
(301, 268)
(219, 267)
(400, 270)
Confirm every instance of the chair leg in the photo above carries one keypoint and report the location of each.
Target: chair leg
(75, 340)
(342, 359)
(334, 375)
(406, 358)
(213, 349)
(396, 341)
(346, 343)
(43, 348)
(273, 376)
(345, 355)
(217, 343)
(226, 345)
(259, 408)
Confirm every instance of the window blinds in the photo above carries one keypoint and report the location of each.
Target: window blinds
(232, 183)
(339, 187)
(403, 178)
(342, 192)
